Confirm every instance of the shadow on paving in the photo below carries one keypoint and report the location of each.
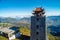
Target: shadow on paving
(24, 37)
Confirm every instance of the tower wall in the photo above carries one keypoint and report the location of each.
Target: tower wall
(38, 29)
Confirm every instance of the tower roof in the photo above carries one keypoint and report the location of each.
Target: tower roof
(39, 11)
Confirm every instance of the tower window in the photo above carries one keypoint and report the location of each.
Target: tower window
(37, 19)
(37, 26)
(37, 33)
(36, 39)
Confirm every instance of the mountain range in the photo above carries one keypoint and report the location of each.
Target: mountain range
(50, 20)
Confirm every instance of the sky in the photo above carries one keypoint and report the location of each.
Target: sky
(21, 8)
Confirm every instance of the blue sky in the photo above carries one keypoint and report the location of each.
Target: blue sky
(12, 8)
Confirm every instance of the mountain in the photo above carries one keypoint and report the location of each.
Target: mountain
(54, 30)
(53, 20)
(50, 20)
(53, 25)
(7, 19)
(25, 19)
(13, 20)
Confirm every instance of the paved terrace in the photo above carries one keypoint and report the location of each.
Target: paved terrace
(6, 30)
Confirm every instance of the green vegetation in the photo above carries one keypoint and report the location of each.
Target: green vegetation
(3, 38)
(50, 37)
(25, 31)
(5, 24)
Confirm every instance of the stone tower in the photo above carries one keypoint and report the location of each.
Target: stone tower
(38, 28)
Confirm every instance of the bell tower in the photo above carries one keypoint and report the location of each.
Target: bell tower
(38, 28)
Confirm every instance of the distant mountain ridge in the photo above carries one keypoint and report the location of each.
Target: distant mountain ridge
(55, 20)
(14, 20)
